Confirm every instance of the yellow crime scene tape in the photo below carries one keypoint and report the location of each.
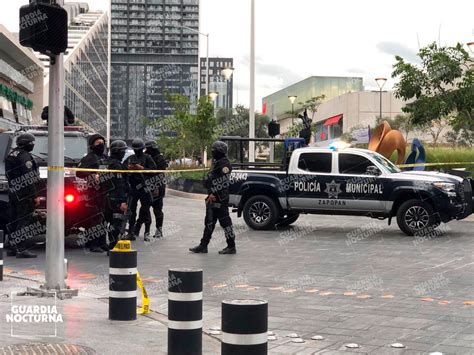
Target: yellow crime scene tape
(145, 308)
(132, 171)
(434, 164)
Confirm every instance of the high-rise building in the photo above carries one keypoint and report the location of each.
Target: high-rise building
(85, 66)
(217, 80)
(154, 52)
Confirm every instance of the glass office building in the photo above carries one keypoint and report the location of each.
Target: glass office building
(278, 104)
(154, 52)
(217, 81)
(85, 66)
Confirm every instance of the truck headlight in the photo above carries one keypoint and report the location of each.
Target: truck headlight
(445, 186)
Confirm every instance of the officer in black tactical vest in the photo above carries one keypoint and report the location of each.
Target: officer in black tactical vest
(139, 191)
(158, 187)
(217, 202)
(94, 237)
(117, 196)
(23, 179)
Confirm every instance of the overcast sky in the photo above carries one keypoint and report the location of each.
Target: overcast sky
(299, 38)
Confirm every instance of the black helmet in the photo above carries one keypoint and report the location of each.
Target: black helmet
(219, 147)
(151, 144)
(95, 137)
(138, 144)
(25, 139)
(118, 147)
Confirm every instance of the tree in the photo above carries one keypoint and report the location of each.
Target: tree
(236, 123)
(441, 87)
(312, 104)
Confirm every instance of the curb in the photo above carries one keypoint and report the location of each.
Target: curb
(187, 195)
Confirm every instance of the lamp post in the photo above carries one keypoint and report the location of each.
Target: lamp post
(292, 99)
(227, 72)
(470, 45)
(213, 96)
(380, 82)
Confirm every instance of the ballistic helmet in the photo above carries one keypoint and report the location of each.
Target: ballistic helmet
(151, 144)
(138, 144)
(118, 147)
(25, 139)
(219, 147)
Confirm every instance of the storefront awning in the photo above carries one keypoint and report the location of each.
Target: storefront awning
(333, 120)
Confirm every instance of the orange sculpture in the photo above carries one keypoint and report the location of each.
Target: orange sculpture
(386, 140)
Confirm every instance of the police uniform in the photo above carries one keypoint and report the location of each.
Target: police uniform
(117, 195)
(95, 196)
(159, 186)
(23, 179)
(217, 203)
(140, 192)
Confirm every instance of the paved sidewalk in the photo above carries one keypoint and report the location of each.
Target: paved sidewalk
(347, 279)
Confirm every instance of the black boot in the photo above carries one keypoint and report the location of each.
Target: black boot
(228, 250)
(11, 252)
(199, 249)
(158, 233)
(147, 233)
(25, 254)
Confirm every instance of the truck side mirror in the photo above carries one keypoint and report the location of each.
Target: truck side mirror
(373, 170)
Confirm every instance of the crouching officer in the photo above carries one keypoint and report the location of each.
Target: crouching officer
(117, 193)
(23, 178)
(95, 235)
(217, 202)
(139, 190)
(158, 187)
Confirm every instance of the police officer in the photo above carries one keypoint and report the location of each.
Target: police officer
(217, 201)
(139, 190)
(117, 193)
(23, 178)
(159, 185)
(95, 234)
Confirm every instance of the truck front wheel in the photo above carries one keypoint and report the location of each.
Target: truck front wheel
(260, 212)
(416, 216)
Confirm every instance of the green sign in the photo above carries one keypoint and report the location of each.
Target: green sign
(13, 96)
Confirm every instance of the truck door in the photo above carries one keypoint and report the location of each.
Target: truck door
(312, 181)
(362, 187)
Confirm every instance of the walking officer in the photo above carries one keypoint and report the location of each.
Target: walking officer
(117, 193)
(158, 187)
(139, 191)
(95, 235)
(23, 178)
(217, 202)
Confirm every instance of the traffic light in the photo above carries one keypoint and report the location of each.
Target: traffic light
(68, 115)
(43, 27)
(273, 128)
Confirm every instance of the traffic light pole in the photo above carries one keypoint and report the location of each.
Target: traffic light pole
(55, 201)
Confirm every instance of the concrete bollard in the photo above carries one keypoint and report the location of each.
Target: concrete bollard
(2, 240)
(123, 282)
(244, 327)
(185, 311)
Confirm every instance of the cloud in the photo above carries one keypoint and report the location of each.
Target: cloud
(395, 48)
(280, 73)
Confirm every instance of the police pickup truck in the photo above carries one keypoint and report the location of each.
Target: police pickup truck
(75, 147)
(350, 181)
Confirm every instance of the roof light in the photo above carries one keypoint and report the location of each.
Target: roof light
(338, 145)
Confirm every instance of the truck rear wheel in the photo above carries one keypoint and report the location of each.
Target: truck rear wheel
(416, 216)
(260, 212)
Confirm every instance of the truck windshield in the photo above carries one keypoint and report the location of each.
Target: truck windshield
(387, 164)
(74, 147)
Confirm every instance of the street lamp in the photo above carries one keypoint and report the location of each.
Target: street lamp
(380, 82)
(213, 95)
(470, 45)
(292, 99)
(227, 72)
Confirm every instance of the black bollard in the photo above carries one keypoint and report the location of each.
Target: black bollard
(244, 327)
(184, 311)
(2, 240)
(123, 282)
